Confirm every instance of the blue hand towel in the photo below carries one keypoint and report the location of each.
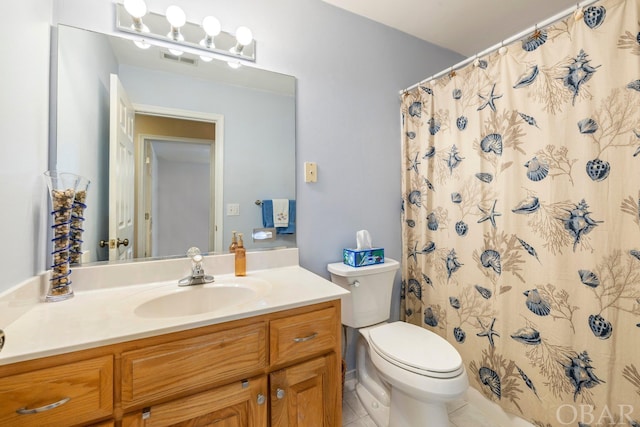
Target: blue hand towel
(267, 217)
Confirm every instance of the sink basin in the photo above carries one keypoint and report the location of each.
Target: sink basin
(199, 299)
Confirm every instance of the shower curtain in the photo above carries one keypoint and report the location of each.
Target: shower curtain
(521, 218)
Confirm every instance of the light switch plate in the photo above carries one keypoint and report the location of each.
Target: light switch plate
(310, 172)
(233, 209)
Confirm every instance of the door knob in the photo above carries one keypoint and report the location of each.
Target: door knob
(113, 243)
(279, 393)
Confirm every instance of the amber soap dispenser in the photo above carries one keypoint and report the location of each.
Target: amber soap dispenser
(241, 257)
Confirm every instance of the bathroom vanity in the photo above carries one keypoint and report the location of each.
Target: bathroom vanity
(272, 361)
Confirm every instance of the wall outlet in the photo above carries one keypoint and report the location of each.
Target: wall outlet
(233, 209)
(310, 172)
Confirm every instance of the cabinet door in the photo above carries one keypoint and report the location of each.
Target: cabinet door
(307, 394)
(161, 371)
(240, 404)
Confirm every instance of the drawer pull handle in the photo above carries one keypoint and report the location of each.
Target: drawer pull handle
(25, 411)
(310, 337)
(280, 393)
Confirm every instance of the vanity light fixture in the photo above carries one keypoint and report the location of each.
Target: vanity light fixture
(184, 36)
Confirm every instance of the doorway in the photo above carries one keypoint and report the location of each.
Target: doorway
(178, 181)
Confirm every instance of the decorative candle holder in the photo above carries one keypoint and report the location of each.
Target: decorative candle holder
(77, 220)
(62, 187)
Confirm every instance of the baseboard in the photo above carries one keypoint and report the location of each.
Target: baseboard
(350, 380)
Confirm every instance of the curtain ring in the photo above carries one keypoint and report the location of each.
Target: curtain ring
(502, 49)
(578, 14)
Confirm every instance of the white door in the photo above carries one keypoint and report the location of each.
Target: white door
(121, 173)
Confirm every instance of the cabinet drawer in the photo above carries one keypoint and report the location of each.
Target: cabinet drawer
(167, 369)
(303, 335)
(88, 386)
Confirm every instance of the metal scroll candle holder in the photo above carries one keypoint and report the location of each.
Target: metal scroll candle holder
(77, 220)
(62, 187)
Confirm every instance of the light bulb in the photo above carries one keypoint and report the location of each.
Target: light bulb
(135, 8)
(211, 26)
(176, 16)
(140, 27)
(206, 58)
(244, 35)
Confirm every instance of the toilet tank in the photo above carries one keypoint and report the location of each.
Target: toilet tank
(370, 287)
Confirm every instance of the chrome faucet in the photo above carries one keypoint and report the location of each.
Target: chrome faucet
(197, 277)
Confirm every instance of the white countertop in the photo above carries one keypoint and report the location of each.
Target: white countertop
(107, 315)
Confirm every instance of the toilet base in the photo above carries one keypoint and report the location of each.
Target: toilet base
(407, 411)
(378, 412)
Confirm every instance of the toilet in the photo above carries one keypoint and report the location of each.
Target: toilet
(406, 374)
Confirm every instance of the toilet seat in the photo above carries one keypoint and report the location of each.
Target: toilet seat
(416, 349)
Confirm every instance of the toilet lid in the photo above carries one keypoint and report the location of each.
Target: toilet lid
(416, 349)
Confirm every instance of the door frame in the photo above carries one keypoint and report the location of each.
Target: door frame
(217, 161)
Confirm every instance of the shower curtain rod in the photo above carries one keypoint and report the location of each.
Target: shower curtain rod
(497, 46)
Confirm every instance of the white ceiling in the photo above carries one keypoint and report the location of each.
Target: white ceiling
(464, 26)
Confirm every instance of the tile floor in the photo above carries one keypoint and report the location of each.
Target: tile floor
(461, 413)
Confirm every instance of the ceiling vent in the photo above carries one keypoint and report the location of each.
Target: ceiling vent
(181, 59)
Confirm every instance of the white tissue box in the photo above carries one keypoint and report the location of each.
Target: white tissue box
(362, 257)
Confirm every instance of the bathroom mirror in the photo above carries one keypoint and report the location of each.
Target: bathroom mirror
(253, 116)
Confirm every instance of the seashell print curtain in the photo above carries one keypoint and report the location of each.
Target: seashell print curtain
(521, 218)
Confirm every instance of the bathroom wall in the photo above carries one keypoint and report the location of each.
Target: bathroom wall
(24, 110)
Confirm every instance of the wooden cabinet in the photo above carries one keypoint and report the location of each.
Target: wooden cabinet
(239, 404)
(167, 369)
(299, 336)
(304, 395)
(232, 374)
(68, 394)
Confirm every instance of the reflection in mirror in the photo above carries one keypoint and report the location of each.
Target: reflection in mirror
(246, 152)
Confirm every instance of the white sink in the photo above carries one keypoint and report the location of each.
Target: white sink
(199, 299)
